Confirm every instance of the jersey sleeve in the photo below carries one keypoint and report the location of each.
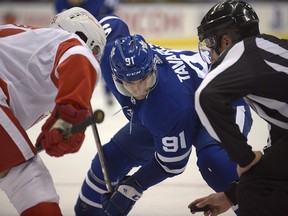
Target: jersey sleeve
(213, 103)
(242, 118)
(76, 73)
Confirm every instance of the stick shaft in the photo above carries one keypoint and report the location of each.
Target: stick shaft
(101, 156)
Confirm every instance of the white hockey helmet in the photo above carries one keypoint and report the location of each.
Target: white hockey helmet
(79, 21)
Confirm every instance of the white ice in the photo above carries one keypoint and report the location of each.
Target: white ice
(169, 198)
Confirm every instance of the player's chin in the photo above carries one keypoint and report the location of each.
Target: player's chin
(139, 96)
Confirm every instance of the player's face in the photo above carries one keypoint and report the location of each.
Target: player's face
(140, 88)
(205, 48)
(225, 43)
(214, 56)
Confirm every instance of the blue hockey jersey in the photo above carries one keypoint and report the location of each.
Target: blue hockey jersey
(96, 8)
(179, 75)
(168, 111)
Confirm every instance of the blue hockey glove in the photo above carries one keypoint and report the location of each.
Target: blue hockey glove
(121, 201)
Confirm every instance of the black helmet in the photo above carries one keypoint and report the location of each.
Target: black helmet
(236, 18)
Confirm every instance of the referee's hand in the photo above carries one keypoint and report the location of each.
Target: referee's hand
(241, 170)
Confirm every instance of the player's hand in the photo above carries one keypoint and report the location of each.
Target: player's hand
(216, 202)
(55, 137)
(241, 170)
(120, 203)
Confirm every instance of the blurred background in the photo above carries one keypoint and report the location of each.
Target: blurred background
(168, 23)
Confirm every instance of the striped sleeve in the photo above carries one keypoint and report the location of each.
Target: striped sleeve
(75, 73)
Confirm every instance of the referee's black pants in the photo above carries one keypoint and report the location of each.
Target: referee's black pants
(263, 191)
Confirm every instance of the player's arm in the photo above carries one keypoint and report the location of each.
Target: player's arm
(75, 75)
(213, 103)
(243, 119)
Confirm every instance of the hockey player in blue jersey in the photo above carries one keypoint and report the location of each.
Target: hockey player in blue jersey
(155, 87)
(96, 8)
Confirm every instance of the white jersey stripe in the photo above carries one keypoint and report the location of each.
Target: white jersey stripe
(277, 67)
(271, 47)
(233, 56)
(82, 51)
(173, 171)
(262, 114)
(94, 187)
(240, 117)
(89, 202)
(16, 135)
(174, 159)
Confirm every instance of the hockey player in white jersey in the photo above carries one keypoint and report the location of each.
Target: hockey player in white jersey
(96, 8)
(44, 70)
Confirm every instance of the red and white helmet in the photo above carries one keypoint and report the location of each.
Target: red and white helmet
(79, 21)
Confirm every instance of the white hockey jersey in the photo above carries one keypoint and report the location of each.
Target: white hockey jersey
(38, 68)
(31, 62)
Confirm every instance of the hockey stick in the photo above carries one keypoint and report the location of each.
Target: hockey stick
(101, 156)
(96, 117)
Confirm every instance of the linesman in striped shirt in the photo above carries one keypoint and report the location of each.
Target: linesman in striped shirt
(254, 66)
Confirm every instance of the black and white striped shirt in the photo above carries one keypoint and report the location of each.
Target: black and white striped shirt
(256, 69)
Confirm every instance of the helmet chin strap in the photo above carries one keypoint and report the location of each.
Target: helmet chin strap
(217, 50)
(218, 41)
(120, 87)
(153, 79)
(76, 3)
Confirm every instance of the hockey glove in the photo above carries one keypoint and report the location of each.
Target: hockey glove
(55, 138)
(120, 203)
